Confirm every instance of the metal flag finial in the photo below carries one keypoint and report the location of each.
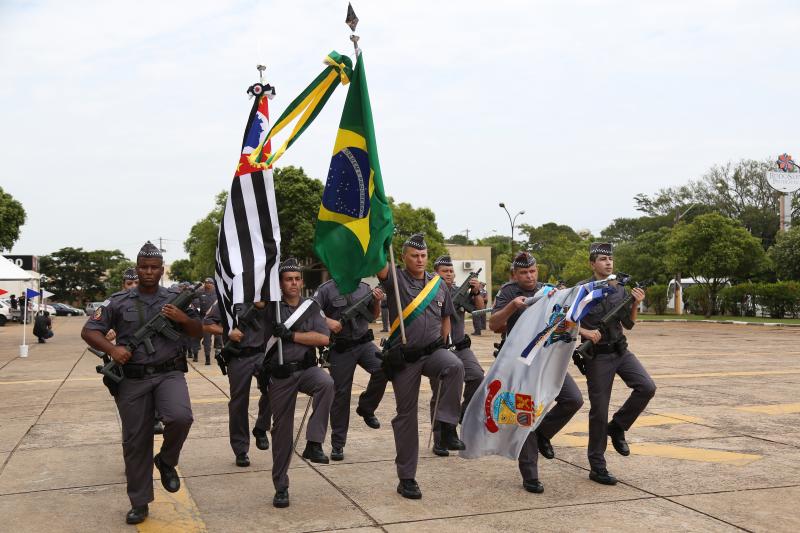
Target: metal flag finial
(352, 19)
(261, 69)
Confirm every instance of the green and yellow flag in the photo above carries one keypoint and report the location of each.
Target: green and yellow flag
(354, 227)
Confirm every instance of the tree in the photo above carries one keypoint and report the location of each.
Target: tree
(12, 217)
(298, 197)
(785, 255)
(501, 259)
(115, 273)
(409, 220)
(712, 250)
(739, 191)
(182, 270)
(459, 239)
(645, 257)
(201, 245)
(553, 245)
(78, 275)
(577, 267)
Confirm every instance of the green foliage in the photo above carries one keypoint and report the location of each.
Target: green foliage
(697, 300)
(553, 245)
(201, 245)
(712, 250)
(459, 239)
(12, 217)
(780, 298)
(298, 197)
(182, 270)
(77, 275)
(629, 229)
(656, 298)
(577, 268)
(645, 256)
(785, 254)
(409, 220)
(738, 300)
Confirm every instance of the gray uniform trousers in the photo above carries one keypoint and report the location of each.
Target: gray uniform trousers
(568, 402)
(207, 343)
(473, 377)
(384, 319)
(240, 376)
(283, 397)
(137, 402)
(600, 373)
(441, 363)
(343, 366)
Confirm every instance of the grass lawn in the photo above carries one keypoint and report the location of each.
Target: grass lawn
(754, 319)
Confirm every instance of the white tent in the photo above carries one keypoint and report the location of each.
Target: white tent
(11, 272)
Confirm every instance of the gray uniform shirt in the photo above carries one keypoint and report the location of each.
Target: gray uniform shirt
(204, 299)
(333, 304)
(428, 326)
(122, 314)
(315, 321)
(508, 292)
(256, 331)
(593, 317)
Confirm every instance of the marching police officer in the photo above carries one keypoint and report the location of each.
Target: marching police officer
(302, 328)
(427, 308)
(508, 307)
(460, 343)
(253, 321)
(152, 381)
(204, 299)
(351, 345)
(611, 356)
(479, 321)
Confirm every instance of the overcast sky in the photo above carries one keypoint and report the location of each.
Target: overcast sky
(120, 121)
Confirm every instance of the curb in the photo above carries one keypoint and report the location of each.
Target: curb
(737, 322)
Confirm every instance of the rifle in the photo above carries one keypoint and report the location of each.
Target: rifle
(109, 369)
(231, 349)
(359, 309)
(620, 312)
(161, 325)
(462, 300)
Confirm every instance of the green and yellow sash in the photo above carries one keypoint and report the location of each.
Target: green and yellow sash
(416, 307)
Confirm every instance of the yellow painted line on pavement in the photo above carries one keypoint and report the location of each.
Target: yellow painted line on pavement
(775, 409)
(171, 511)
(567, 437)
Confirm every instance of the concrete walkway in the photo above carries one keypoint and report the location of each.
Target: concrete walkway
(717, 450)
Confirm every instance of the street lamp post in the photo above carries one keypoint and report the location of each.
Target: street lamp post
(678, 285)
(511, 221)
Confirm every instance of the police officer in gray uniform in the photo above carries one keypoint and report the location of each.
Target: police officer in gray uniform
(152, 381)
(351, 345)
(423, 354)
(508, 307)
(611, 357)
(242, 365)
(204, 299)
(460, 343)
(479, 321)
(299, 373)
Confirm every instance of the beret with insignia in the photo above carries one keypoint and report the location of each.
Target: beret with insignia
(443, 260)
(416, 241)
(523, 260)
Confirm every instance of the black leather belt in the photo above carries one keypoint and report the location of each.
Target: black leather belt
(463, 344)
(135, 371)
(414, 355)
(344, 344)
(247, 352)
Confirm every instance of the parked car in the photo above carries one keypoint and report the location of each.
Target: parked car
(5, 313)
(67, 310)
(91, 307)
(47, 307)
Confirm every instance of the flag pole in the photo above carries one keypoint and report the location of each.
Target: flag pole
(397, 295)
(23, 350)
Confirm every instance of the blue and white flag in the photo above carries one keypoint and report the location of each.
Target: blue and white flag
(528, 373)
(30, 293)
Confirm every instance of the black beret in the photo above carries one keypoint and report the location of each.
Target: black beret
(601, 248)
(416, 241)
(150, 250)
(443, 260)
(523, 260)
(289, 265)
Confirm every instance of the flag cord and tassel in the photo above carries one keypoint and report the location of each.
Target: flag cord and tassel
(280, 341)
(397, 295)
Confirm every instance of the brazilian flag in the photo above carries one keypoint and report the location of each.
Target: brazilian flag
(354, 227)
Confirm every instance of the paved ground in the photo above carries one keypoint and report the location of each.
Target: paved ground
(717, 450)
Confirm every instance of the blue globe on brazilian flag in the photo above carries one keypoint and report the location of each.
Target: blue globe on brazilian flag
(354, 227)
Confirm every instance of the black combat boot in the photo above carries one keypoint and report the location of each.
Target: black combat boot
(242, 460)
(450, 437)
(533, 485)
(158, 428)
(337, 453)
(438, 447)
(545, 448)
(369, 419)
(314, 453)
(408, 488)
(281, 498)
(169, 476)
(617, 435)
(262, 442)
(602, 476)
(194, 356)
(137, 514)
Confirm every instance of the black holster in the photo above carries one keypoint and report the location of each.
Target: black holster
(463, 344)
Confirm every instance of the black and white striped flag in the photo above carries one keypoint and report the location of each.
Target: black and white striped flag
(248, 248)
